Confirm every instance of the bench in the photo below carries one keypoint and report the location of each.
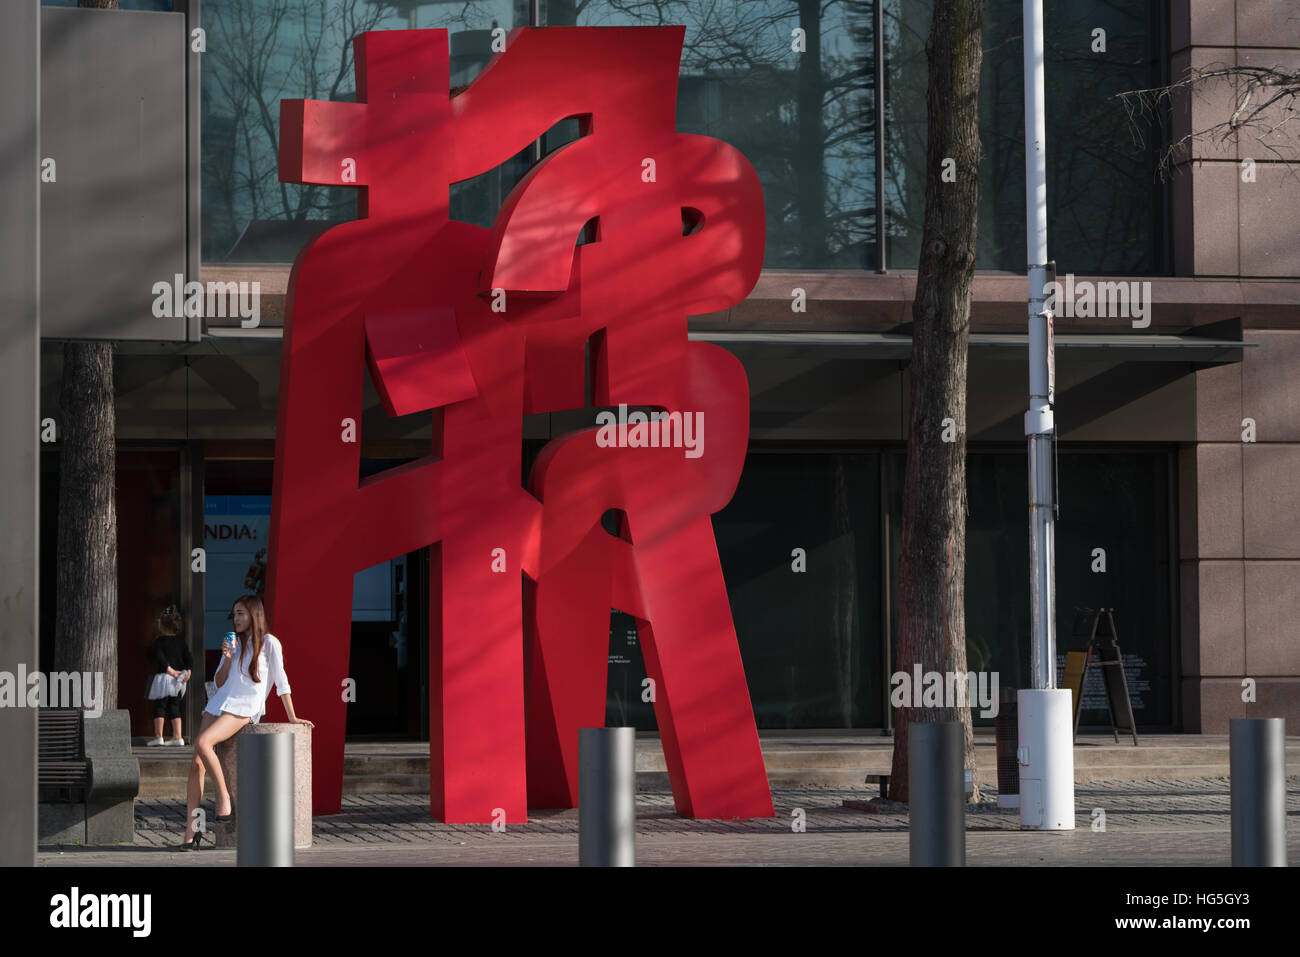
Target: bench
(63, 773)
(87, 778)
(883, 781)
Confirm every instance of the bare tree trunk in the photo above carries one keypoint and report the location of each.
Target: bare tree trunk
(932, 564)
(85, 630)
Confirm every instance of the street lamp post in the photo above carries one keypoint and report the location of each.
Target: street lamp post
(1046, 752)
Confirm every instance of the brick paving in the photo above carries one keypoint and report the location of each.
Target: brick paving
(1146, 822)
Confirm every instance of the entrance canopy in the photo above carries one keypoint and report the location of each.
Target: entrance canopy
(1116, 347)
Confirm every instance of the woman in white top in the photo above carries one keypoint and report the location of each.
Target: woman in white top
(240, 699)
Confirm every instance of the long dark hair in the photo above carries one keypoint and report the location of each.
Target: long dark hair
(256, 634)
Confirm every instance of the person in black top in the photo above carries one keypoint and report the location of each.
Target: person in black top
(173, 656)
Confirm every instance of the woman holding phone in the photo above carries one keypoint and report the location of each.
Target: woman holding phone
(252, 660)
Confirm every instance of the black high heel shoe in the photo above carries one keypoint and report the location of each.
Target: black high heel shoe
(193, 844)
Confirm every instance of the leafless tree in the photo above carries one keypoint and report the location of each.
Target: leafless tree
(932, 563)
(1264, 108)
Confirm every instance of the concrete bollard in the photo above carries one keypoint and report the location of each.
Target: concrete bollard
(936, 759)
(265, 818)
(227, 754)
(607, 797)
(1257, 768)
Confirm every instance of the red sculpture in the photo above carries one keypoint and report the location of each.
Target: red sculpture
(479, 327)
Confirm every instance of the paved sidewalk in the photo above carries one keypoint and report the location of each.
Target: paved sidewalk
(1146, 823)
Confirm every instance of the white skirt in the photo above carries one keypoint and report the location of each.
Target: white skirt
(165, 686)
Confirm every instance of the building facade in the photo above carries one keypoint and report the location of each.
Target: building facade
(1179, 424)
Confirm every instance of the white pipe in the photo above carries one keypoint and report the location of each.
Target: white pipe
(1035, 137)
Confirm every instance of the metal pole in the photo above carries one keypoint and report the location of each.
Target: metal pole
(935, 758)
(607, 797)
(1049, 761)
(1257, 766)
(264, 811)
(1039, 424)
(20, 358)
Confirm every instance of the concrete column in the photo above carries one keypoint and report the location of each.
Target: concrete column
(19, 403)
(1234, 212)
(227, 754)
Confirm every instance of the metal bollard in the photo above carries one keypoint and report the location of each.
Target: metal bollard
(936, 758)
(607, 797)
(265, 809)
(1257, 765)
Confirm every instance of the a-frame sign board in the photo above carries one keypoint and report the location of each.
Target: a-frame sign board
(1100, 650)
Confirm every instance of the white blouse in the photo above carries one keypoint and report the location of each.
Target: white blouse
(240, 694)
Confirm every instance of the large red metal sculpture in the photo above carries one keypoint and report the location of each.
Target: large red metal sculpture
(479, 327)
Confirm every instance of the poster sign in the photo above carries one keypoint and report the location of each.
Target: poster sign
(235, 528)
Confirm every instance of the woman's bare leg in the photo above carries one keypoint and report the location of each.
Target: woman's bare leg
(194, 788)
(157, 727)
(205, 743)
(176, 729)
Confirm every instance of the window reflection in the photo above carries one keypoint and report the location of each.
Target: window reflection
(802, 117)
(1104, 203)
(262, 51)
(788, 82)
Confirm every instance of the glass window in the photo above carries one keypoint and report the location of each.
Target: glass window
(803, 119)
(1117, 501)
(235, 531)
(1105, 205)
(807, 621)
(810, 639)
(262, 51)
(788, 82)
